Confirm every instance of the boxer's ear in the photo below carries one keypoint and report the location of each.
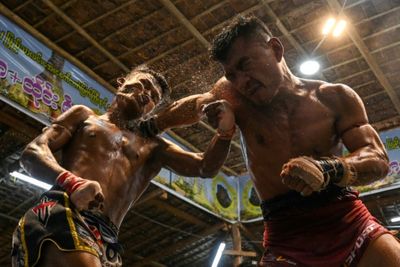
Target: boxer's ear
(277, 47)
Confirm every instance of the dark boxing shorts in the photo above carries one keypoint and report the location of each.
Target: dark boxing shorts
(52, 219)
(330, 228)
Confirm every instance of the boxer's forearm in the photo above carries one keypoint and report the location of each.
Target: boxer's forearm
(185, 111)
(215, 156)
(368, 158)
(368, 164)
(38, 161)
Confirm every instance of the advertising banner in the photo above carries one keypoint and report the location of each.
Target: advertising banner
(391, 140)
(217, 195)
(39, 80)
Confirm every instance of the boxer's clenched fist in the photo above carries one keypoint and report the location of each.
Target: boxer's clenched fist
(220, 116)
(84, 194)
(304, 175)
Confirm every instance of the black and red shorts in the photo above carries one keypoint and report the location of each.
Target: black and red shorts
(53, 219)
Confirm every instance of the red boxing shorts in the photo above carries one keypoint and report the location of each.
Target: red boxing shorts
(330, 228)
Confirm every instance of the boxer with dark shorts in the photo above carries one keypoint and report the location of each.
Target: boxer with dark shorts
(107, 162)
(53, 219)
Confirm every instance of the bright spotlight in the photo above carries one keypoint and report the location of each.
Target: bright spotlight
(328, 26)
(218, 255)
(339, 28)
(395, 219)
(309, 67)
(30, 180)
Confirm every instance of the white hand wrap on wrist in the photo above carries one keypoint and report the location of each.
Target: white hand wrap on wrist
(318, 174)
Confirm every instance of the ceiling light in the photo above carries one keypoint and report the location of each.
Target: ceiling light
(309, 67)
(395, 219)
(218, 255)
(339, 28)
(328, 26)
(30, 180)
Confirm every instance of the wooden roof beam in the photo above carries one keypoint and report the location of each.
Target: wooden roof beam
(23, 203)
(151, 40)
(373, 95)
(341, 79)
(356, 38)
(387, 123)
(167, 251)
(240, 253)
(177, 212)
(185, 22)
(177, 47)
(109, 12)
(120, 30)
(148, 197)
(237, 245)
(18, 125)
(153, 237)
(160, 37)
(8, 217)
(63, 7)
(251, 237)
(151, 263)
(219, 25)
(283, 29)
(82, 32)
(21, 6)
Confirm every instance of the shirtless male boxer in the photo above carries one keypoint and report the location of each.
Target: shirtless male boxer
(107, 163)
(293, 130)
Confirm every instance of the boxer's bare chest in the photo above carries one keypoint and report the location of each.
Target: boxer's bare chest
(303, 126)
(105, 142)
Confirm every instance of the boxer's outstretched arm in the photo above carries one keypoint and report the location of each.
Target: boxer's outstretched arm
(205, 164)
(185, 111)
(38, 157)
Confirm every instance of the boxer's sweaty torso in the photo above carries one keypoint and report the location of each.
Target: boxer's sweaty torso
(118, 159)
(291, 126)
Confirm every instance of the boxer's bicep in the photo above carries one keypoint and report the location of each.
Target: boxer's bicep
(62, 129)
(349, 109)
(367, 158)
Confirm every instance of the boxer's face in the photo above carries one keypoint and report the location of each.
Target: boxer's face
(139, 94)
(253, 68)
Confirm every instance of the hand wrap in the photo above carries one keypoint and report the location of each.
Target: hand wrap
(69, 182)
(318, 174)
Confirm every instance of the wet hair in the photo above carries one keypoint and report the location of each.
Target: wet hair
(160, 79)
(241, 26)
